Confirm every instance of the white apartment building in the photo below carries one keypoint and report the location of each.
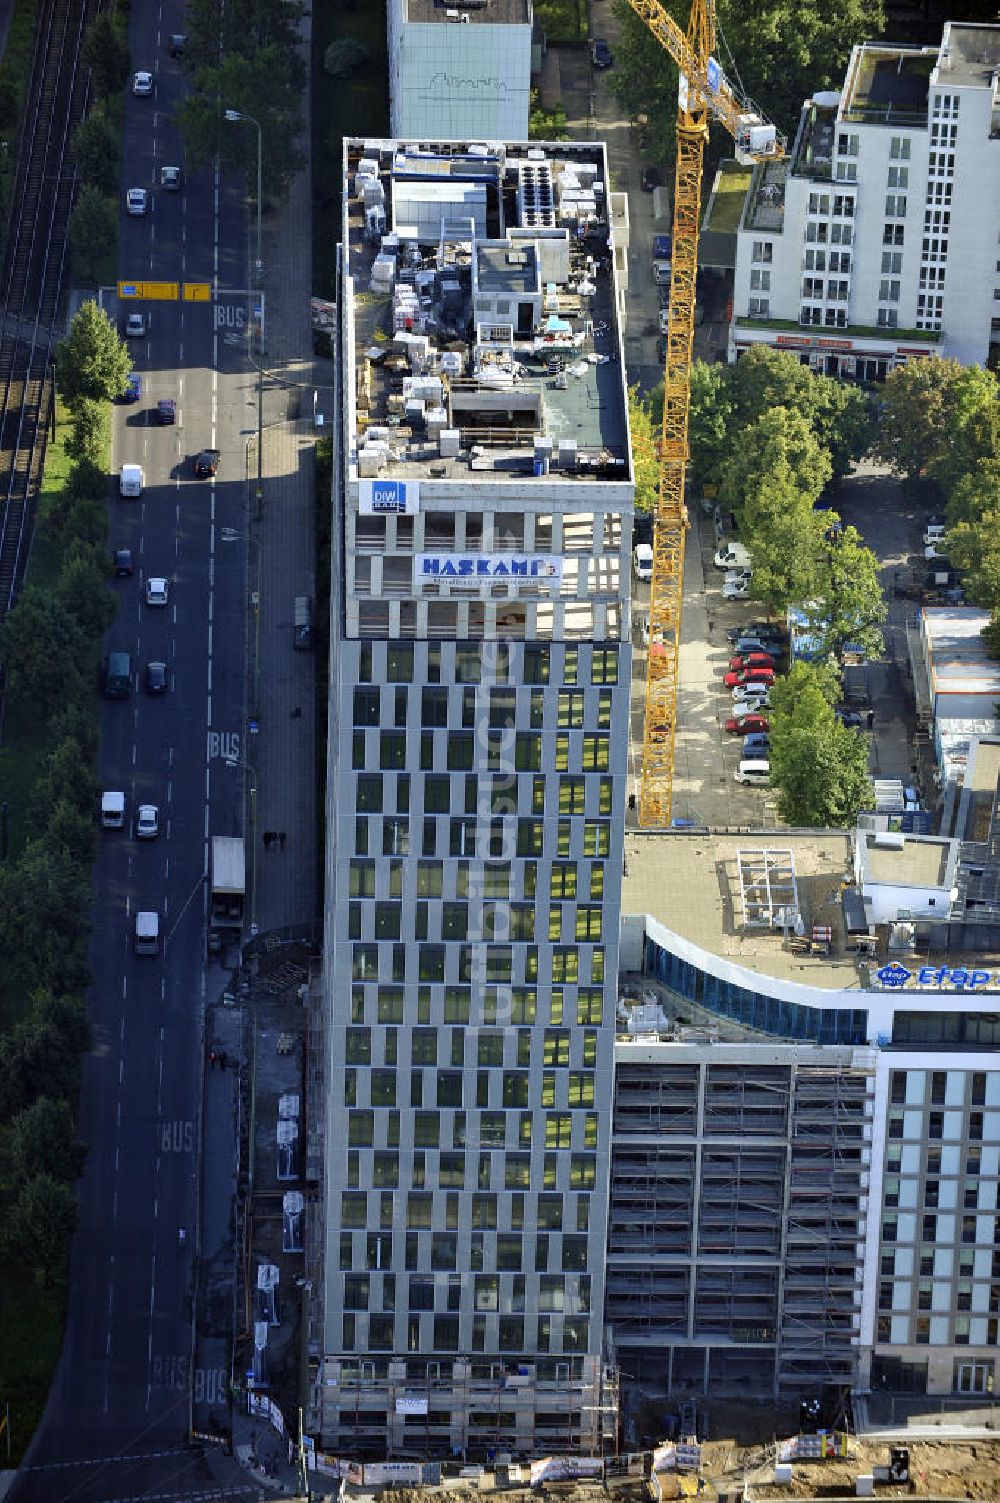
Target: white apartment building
(480, 676)
(460, 69)
(877, 240)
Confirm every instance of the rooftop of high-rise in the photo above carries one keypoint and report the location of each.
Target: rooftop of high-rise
(480, 316)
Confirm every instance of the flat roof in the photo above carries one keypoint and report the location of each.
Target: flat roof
(690, 883)
(921, 861)
(888, 85)
(479, 12)
(957, 658)
(969, 56)
(484, 271)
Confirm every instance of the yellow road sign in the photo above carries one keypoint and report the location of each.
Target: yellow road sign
(129, 289)
(164, 291)
(197, 292)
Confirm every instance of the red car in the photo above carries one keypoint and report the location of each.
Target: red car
(752, 660)
(749, 676)
(743, 725)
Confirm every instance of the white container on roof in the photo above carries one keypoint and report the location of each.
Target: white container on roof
(964, 681)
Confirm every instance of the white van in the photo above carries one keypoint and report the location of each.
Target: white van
(754, 770)
(146, 935)
(131, 481)
(112, 811)
(733, 556)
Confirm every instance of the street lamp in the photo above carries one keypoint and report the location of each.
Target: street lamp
(234, 117)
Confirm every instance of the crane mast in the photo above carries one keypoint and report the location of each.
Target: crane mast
(704, 94)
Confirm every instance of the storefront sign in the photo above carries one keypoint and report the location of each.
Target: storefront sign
(378, 497)
(539, 570)
(942, 977)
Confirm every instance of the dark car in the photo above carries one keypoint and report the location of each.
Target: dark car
(764, 631)
(178, 44)
(207, 464)
(600, 53)
(122, 563)
(743, 725)
(133, 388)
(166, 411)
(851, 718)
(748, 676)
(642, 528)
(156, 678)
(649, 178)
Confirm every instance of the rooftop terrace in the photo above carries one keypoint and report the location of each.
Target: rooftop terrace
(476, 12)
(888, 85)
(481, 314)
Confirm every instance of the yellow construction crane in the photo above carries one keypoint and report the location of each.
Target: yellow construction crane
(705, 94)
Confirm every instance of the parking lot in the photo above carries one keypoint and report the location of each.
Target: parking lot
(706, 756)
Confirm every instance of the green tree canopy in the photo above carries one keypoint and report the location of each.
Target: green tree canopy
(36, 1058)
(92, 363)
(93, 226)
(266, 85)
(645, 463)
(853, 605)
(63, 773)
(836, 412)
(778, 448)
(42, 1139)
(712, 419)
(88, 438)
(37, 1228)
(95, 148)
(84, 592)
(44, 648)
(924, 404)
(818, 766)
(785, 537)
(46, 917)
(105, 53)
(241, 26)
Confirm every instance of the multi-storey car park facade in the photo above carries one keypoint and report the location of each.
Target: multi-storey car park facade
(806, 1147)
(869, 246)
(480, 670)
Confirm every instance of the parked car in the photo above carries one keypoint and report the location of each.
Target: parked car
(752, 694)
(851, 718)
(649, 178)
(756, 744)
(736, 589)
(743, 725)
(207, 464)
(147, 824)
(664, 317)
(166, 411)
(135, 328)
(133, 389)
(764, 631)
(600, 54)
(142, 83)
(122, 563)
(744, 645)
(137, 200)
(157, 590)
(156, 678)
(751, 660)
(733, 679)
(642, 558)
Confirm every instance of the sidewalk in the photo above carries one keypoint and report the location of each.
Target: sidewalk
(282, 691)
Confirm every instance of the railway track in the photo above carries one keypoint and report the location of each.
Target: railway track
(32, 273)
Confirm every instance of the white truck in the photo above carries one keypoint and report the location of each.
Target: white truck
(112, 811)
(146, 934)
(131, 481)
(227, 892)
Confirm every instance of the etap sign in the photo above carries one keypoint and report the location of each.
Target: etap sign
(894, 977)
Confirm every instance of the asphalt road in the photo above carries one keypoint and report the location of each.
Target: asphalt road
(118, 1417)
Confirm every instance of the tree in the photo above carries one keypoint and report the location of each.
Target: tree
(785, 537)
(93, 226)
(974, 547)
(853, 605)
(83, 590)
(42, 1138)
(38, 1226)
(88, 438)
(92, 363)
(779, 447)
(36, 1059)
(923, 405)
(95, 148)
(344, 57)
(63, 773)
(836, 412)
(818, 766)
(43, 647)
(267, 85)
(242, 26)
(105, 52)
(975, 493)
(645, 463)
(76, 722)
(46, 918)
(712, 421)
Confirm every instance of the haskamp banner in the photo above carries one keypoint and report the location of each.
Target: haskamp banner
(529, 571)
(377, 498)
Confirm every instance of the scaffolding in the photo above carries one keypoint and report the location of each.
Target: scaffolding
(769, 893)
